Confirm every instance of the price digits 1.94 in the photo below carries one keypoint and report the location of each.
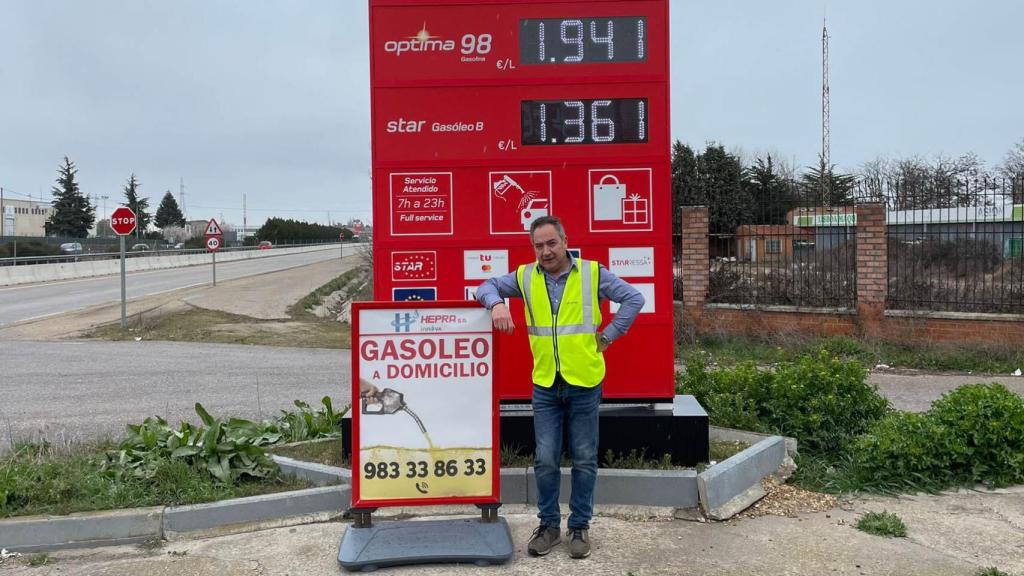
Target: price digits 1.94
(424, 469)
(582, 40)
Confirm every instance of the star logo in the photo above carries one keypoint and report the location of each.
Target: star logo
(414, 265)
(423, 35)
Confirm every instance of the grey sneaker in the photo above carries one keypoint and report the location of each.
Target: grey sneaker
(579, 542)
(543, 540)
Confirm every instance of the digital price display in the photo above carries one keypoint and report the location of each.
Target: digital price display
(486, 116)
(606, 121)
(582, 40)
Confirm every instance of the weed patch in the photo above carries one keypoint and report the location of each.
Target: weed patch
(882, 524)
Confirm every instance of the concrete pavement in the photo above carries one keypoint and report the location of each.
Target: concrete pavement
(950, 534)
(915, 391)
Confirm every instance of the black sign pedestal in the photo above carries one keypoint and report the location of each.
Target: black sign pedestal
(482, 541)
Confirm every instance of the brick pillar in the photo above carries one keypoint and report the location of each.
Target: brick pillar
(695, 264)
(872, 268)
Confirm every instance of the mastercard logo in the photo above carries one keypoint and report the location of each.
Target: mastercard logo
(486, 267)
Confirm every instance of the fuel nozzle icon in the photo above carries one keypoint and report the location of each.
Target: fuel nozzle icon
(388, 401)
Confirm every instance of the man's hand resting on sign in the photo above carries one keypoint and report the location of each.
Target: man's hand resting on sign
(368, 391)
(501, 318)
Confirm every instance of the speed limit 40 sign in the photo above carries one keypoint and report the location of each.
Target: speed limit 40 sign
(213, 243)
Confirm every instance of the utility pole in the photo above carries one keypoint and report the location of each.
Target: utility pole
(181, 193)
(826, 137)
(245, 219)
(3, 215)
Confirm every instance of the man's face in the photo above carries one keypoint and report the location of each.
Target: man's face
(550, 248)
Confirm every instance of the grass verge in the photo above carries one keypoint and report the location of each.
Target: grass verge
(36, 480)
(202, 325)
(329, 452)
(302, 310)
(730, 351)
(882, 524)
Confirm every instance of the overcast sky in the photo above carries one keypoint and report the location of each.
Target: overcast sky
(271, 99)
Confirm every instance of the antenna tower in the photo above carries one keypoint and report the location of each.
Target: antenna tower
(826, 137)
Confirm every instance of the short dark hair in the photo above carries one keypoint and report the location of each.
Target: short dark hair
(546, 220)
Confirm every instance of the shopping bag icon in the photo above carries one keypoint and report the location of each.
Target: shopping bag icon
(608, 198)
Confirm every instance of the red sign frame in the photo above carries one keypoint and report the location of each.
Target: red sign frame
(495, 468)
(434, 111)
(116, 215)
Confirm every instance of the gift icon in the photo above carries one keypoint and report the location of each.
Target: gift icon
(634, 210)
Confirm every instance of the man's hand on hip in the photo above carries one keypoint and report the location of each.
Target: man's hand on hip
(501, 318)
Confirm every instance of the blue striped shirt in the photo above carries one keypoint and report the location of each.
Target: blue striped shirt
(610, 287)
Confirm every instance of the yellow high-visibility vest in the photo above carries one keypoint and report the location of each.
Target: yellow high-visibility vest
(565, 343)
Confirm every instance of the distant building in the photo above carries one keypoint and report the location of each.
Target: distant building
(24, 217)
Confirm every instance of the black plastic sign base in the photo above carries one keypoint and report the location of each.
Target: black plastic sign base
(425, 542)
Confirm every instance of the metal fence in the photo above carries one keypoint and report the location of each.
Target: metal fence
(780, 245)
(957, 246)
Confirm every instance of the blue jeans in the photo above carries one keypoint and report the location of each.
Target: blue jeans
(579, 408)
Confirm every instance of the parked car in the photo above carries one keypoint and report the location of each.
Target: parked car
(179, 246)
(265, 245)
(140, 248)
(71, 248)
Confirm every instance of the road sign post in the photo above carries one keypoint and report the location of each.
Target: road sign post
(214, 241)
(123, 223)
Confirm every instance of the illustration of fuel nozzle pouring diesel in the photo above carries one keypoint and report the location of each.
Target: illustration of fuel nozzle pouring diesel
(377, 402)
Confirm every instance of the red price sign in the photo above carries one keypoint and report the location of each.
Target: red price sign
(489, 115)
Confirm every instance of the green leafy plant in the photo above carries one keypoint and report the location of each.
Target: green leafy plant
(991, 571)
(882, 524)
(228, 451)
(307, 424)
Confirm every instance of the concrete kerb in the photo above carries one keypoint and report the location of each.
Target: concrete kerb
(720, 434)
(721, 491)
(81, 530)
(733, 485)
(239, 514)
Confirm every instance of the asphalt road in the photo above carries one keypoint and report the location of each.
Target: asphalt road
(20, 303)
(81, 390)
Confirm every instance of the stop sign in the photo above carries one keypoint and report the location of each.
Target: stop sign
(122, 221)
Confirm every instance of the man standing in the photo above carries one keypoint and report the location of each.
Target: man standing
(562, 297)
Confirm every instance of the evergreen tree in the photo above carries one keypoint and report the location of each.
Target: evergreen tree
(73, 214)
(720, 185)
(169, 214)
(771, 193)
(824, 187)
(684, 178)
(138, 205)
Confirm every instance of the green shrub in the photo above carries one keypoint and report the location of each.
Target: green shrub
(974, 434)
(729, 395)
(821, 400)
(882, 524)
(987, 422)
(900, 452)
